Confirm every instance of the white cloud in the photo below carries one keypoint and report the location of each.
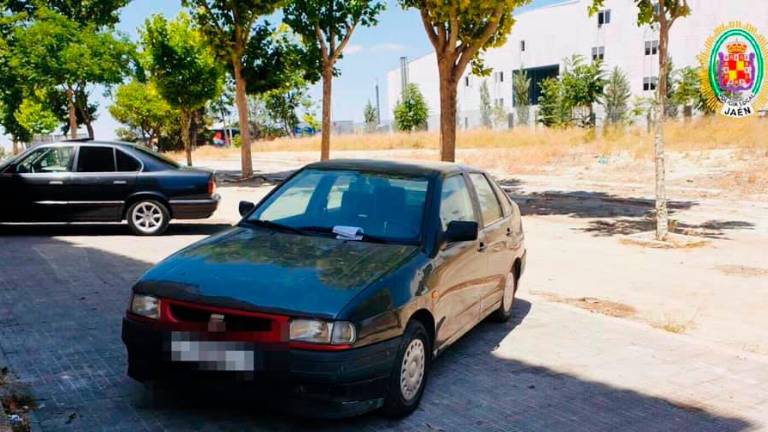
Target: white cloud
(387, 47)
(353, 49)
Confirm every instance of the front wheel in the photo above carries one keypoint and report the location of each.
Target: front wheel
(148, 217)
(409, 377)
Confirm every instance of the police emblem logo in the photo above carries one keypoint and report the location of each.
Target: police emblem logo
(733, 77)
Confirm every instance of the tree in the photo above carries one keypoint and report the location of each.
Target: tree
(554, 108)
(140, 107)
(460, 31)
(500, 116)
(326, 26)
(371, 117)
(663, 13)
(411, 112)
(183, 67)
(521, 88)
(282, 106)
(101, 13)
(583, 84)
(13, 86)
(486, 111)
(35, 117)
(228, 26)
(616, 97)
(688, 91)
(54, 52)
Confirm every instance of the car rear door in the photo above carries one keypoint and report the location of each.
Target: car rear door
(494, 241)
(459, 271)
(99, 189)
(40, 183)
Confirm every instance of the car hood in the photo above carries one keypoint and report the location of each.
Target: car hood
(257, 269)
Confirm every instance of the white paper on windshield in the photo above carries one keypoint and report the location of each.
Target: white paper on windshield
(348, 232)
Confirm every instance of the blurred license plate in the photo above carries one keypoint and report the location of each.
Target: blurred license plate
(212, 355)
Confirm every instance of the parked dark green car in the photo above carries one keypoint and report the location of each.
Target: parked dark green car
(337, 289)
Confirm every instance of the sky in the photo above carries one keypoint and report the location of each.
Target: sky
(370, 54)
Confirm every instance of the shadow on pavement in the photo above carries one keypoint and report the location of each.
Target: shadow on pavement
(61, 307)
(104, 229)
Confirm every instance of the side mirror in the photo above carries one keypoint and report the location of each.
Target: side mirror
(460, 231)
(246, 207)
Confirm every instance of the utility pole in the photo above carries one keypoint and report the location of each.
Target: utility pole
(378, 105)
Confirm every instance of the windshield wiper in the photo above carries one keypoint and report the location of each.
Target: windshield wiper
(274, 226)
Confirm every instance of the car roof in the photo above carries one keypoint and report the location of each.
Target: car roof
(415, 168)
(91, 142)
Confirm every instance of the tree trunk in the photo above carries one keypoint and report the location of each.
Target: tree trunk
(193, 129)
(72, 113)
(241, 100)
(448, 92)
(662, 212)
(186, 119)
(89, 126)
(325, 142)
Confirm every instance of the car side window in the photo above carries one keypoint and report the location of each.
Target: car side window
(47, 160)
(455, 202)
(96, 160)
(489, 203)
(506, 204)
(126, 163)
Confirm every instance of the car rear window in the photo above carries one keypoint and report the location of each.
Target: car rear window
(96, 159)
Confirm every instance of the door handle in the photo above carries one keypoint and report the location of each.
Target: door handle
(55, 182)
(509, 232)
(119, 182)
(481, 247)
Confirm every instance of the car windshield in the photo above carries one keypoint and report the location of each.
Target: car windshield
(383, 207)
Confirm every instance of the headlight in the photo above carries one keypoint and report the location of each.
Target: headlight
(146, 306)
(323, 332)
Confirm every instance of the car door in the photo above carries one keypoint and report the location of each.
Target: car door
(100, 188)
(40, 181)
(459, 268)
(495, 241)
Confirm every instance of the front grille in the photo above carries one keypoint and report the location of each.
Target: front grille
(233, 322)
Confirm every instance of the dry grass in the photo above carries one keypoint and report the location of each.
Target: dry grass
(699, 134)
(674, 325)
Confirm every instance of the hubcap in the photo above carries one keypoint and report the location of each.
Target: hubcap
(509, 291)
(412, 370)
(147, 217)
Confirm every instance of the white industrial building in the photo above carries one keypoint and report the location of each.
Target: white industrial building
(542, 38)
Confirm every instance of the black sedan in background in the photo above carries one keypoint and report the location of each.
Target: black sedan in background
(337, 290)
(103, 182)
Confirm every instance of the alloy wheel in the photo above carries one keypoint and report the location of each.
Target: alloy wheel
(147, 217)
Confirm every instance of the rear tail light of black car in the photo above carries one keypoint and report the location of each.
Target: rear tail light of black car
(212, 185)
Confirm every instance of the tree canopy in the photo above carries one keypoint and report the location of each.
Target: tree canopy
(182, 66)
(411, 112)
(139, 106)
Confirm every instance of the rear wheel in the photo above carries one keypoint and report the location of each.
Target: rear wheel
(409, 377)
(148, 217)
(504, 312)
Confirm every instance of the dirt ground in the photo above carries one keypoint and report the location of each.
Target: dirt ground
(576, 218)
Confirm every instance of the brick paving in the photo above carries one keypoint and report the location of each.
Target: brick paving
(552, 369)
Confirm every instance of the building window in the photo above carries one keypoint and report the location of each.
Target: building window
(651, 47)
(650, 83)
(500, 102)
(603, 17)
(498, 77)
(466, 81)
(598, 53)
(522, 45)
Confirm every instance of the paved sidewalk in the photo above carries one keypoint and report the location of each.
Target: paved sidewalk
(554, 368)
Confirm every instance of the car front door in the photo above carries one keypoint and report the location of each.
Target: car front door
(40, 182)
(104, 179)
(459, 270)
(495, 241)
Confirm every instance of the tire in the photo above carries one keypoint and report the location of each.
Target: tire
(504, 312)
(404, 390)
(148, 217)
